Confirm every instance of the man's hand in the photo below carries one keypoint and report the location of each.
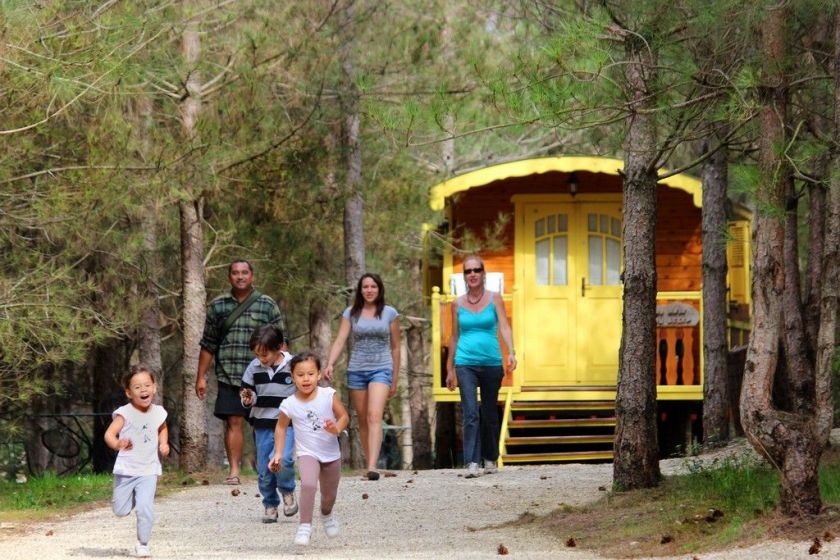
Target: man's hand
(201, 387)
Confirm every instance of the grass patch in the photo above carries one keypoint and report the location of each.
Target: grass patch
(729, 502)
(45, 496)
(49, 495)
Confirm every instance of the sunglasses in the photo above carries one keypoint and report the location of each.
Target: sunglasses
(473, 270)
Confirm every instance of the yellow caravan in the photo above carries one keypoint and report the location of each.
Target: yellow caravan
(556, 257)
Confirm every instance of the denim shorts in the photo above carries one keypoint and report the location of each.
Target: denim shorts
(359, 380)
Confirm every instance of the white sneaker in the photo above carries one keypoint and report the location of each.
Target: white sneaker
(472, 471)
(330, 525)
(489, 467)
(303, 533)
(142, 551)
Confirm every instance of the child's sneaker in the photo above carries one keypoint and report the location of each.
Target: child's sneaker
(472, 471)
(142, 551)
(330, 525)
(270, 515)
(290, 506)
(489, 466)
(303, 533)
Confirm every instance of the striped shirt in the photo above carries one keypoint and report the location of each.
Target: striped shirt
(234, 352)
(272, 384)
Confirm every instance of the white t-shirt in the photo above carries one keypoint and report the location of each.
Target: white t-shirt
(308, 421)
(142, 429)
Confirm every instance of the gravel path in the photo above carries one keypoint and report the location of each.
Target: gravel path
(426, 514)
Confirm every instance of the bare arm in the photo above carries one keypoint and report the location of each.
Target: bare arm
(279, 442)
(163, 440)
(112, 435)
(342, 419)
(395, 355)
(337, 347)
(504, 330)
(205, 358)
(451, 378)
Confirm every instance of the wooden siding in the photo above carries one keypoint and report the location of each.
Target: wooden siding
(679, 242)
(679, 246)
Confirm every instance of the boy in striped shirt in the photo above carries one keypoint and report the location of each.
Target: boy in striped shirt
(265, 383)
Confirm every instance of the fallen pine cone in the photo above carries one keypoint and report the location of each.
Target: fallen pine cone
(205, 482)
(502, 549)
(50, 533)
(666, 539)
(571, 542)
(234, 492)
(364, 496)
(829, 536)
(815, 547)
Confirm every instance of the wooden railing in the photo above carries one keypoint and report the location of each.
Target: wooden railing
(678, 347)
(678, 339)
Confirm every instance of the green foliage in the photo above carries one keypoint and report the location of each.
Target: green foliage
(50, 491)
(740, 485)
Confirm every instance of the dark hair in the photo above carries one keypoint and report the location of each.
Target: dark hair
(236, 261)
(135, 369)
(305, 357)
(359, 301)
(268, 336)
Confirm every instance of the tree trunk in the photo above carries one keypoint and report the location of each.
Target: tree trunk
(193, 423)
(716, 376)
(792, 441)
(419, 382)
(107, 368)
(636, 461)
(149, 344)
(354, 233)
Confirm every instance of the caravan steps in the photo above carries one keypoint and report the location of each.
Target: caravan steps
(558, 431)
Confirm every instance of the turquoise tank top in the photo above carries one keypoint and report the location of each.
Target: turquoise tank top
(478, 344)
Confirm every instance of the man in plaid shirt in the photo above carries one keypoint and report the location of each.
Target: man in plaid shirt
(232, 354)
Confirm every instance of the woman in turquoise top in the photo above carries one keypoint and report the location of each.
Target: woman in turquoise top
(476, 362)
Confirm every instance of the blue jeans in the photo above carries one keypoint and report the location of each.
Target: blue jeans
(269, 482)
(481, 428)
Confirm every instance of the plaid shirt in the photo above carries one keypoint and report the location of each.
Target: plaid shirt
(234, 353)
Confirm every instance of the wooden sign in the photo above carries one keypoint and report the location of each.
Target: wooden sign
(676, 314)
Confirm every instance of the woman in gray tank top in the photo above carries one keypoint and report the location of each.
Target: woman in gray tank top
(374, 364)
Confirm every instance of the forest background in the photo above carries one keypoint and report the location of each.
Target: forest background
(146, 144)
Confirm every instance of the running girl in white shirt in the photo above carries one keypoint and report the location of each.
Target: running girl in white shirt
(138, 433)
(318, 417)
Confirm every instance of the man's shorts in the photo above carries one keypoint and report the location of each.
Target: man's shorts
(228, 402)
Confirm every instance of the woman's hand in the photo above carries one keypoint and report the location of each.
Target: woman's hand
(328, 372)
(451, 380)
(511, 362)
(274, 463)
(164, 449)
(393, 389)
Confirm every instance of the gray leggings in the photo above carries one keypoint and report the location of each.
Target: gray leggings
(137, 493)
(311, 472)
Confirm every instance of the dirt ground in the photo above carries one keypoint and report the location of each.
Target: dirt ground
(424, 514)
